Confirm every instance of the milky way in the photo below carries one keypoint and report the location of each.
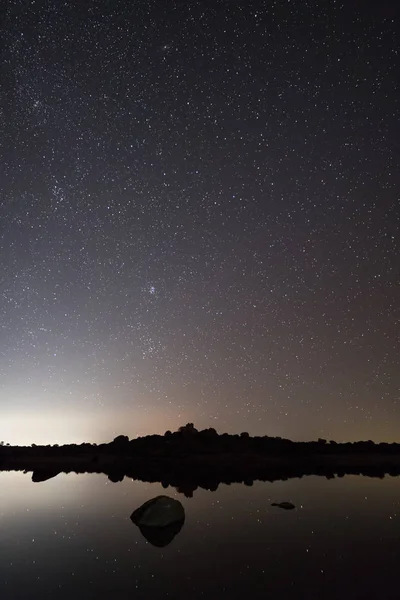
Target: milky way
(199, 219)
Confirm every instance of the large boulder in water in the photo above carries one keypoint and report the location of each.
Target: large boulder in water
(158, 512)
(159, 519)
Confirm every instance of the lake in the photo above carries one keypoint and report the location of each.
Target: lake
(71, 537)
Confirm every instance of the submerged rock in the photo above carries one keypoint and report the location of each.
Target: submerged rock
(159, 519)
(284, 505)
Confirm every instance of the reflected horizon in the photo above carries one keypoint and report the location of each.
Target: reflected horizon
(81, 526)
(187, 486)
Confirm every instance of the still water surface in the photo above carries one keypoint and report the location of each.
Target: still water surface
(72, 538)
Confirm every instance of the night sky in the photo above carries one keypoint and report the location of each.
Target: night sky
(199, 218)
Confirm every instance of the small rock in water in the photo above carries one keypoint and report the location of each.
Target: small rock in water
(285, 505)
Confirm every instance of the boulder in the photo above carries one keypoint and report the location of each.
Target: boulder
(158, 512)
(159, 519)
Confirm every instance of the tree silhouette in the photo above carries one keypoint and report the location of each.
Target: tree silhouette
(189, 428)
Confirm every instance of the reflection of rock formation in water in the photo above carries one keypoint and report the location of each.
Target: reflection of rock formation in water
(187, 490)
(159, 520)
(284, 505)
(116, 476)
(43, 475)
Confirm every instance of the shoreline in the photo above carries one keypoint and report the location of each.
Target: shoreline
(189, 458)
(191, 472)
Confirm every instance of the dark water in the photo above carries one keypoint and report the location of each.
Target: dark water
(72, 537)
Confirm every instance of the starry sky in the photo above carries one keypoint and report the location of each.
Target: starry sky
(199, 218)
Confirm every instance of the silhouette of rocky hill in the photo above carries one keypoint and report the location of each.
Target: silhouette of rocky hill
(188, 459)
